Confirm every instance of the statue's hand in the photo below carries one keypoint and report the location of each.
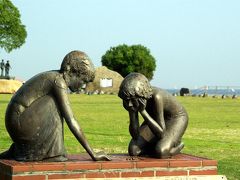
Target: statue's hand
(142, 104)
(141, 108)
(101, 156)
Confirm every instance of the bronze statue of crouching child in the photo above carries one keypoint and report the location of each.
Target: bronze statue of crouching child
(35, 114)
(165, 119)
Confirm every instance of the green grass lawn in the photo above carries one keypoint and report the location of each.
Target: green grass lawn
(213, 131)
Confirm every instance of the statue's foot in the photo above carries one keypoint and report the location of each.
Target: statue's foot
(177, 149)
(5, 155)
(8, 154)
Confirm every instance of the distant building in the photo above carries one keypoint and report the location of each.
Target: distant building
(106, 81)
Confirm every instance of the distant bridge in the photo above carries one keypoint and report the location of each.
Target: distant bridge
(217, 90)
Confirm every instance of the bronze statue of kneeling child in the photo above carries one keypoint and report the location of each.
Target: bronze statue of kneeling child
(165, 119)
(35, 114)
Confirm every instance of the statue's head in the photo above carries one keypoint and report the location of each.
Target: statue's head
(135, 89)
(135, 85)
(77, 69)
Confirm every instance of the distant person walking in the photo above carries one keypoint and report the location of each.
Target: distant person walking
(7, 67)
(2, 67)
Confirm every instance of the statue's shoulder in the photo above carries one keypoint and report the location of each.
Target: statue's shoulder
(49, 78)
(159, 91)
(60, 82)
(161, 94)
(41, 77)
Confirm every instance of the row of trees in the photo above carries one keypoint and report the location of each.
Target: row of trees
(123, 58)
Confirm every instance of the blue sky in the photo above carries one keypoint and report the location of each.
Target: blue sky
(195, 42)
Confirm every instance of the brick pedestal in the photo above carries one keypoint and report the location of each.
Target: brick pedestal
(121, 166)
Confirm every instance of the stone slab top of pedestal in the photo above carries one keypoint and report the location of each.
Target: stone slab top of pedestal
(119, 161)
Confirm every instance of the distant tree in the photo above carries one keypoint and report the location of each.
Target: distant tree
(12, 31)
(125, 59)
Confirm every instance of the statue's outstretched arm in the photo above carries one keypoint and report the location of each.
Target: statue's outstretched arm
(73, 125)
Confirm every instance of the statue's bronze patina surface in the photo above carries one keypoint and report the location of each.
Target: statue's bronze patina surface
(35, 114)
(165, 119)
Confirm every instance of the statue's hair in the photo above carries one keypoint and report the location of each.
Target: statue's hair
(78, 62)
(135, 85)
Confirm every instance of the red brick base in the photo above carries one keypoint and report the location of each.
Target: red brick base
(121, 166)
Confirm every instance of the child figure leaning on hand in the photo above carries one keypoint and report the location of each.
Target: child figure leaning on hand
(165, 119)
(35, 115)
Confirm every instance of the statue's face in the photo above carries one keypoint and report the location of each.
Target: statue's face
(134, 104)
(75, 83)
